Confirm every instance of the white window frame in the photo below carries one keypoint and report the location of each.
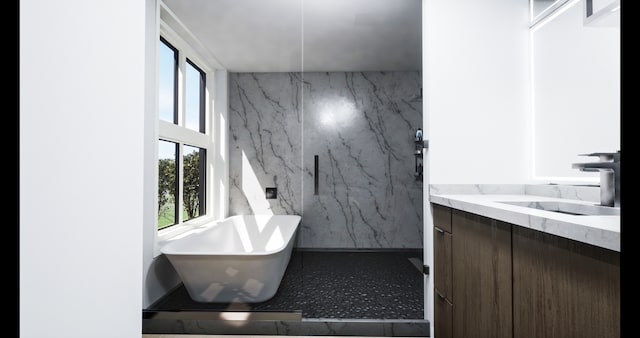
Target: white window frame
(185, 136)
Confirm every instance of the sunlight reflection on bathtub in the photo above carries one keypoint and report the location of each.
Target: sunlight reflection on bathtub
(275, 241)
(212, 291)
(252, 287)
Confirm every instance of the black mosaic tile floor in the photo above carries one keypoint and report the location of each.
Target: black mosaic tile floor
(336, 285)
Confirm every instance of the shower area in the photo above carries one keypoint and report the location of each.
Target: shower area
(337, 147)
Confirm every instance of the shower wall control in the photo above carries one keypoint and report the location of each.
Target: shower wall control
(419, 144)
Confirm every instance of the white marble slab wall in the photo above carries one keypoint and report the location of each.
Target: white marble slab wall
(362, 127)
(265, 145)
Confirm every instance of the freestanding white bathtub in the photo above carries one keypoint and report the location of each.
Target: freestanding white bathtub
(238, 259)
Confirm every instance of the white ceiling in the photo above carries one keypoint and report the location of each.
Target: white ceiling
(309, 35)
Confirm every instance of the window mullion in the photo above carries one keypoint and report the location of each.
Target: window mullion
(211, 197)
(181, 122)
(180, 179)
(203, 102)
(181, 88)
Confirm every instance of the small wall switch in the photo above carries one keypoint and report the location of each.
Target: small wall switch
(271, 193)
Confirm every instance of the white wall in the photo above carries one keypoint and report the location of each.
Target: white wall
(476, 99)
(427, 253)
(158, 275)
(476, 90)
(221, 134)
(576, 93)
(81, 167)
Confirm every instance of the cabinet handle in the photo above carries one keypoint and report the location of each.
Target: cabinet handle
(441, 296)
(439, 230)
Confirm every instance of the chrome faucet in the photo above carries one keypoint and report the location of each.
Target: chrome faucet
(609, 168)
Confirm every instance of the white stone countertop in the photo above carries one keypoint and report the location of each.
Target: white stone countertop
(602, 231)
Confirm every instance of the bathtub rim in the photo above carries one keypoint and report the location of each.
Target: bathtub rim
(214, 222)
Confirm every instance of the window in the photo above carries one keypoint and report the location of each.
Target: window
(194, 181)
(194, 98)
(167, 183)
(168, 74)
(183, 141)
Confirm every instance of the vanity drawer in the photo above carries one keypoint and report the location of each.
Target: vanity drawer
(442, 217)
(442, 262)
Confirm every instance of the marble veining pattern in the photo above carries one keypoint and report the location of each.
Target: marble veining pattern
(476, 189)
(574, 192)
(361, 126)
(265, 142)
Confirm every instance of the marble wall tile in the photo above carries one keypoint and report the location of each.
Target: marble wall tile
(265, 144)
(361, 126)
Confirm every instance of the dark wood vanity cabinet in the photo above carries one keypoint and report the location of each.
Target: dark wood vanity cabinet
(481, 276)
(442, 249)
(443, 307)
(564, 288)
(472, 267)
(443, 318)
(495, 279)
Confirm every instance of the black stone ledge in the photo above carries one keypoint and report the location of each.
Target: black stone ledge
(303, 327)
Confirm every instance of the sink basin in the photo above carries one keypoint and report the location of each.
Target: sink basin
(569, 208)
